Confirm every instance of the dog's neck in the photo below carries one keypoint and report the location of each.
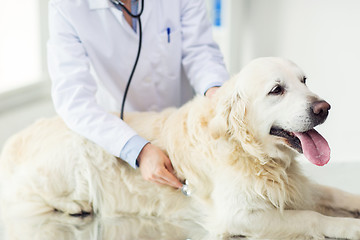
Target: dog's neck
(267, 178)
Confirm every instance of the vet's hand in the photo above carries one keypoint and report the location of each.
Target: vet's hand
(211, 91)
(156, 167)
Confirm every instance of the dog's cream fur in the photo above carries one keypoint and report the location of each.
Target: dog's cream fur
(244, 181)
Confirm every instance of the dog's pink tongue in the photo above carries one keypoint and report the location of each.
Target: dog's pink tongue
(314, 146)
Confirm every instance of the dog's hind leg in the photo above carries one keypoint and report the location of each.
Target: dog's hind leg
(27, 202)
(71, 207)
(39, 193)
(67, 198)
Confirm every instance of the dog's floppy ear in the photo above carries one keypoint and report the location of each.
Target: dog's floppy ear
(231, 120)
(229, 112)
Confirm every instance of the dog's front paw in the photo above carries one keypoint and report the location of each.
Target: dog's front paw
(345, 228)
(353, 231)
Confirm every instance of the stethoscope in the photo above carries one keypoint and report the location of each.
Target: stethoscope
(121, 6)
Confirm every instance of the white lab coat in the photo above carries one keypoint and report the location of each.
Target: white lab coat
(91, 52)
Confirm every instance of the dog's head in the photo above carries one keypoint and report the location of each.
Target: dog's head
(268, 105)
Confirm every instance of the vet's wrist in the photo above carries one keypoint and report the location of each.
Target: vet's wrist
(211, 91)
(142, 153)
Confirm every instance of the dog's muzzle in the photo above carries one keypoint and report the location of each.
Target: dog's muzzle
(309, 141)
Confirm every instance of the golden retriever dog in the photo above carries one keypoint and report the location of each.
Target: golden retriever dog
(237, 151)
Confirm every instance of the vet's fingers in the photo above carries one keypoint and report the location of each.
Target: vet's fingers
(170, 168)
(163, 176)
(159, 181)
(168, 174)
(170, 179)
(162, 180)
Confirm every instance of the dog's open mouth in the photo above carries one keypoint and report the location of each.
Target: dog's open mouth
(311, 143)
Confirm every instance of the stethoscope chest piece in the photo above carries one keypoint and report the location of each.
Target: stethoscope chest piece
(185, 189)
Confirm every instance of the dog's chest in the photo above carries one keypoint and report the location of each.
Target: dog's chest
(269, 188)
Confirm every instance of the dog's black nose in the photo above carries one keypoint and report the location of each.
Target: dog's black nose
(320, 110)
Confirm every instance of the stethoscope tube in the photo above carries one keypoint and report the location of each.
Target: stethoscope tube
(119, 4)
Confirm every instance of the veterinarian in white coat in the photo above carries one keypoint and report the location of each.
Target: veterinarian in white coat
(91, 51)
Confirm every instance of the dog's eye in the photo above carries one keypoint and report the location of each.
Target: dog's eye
(277, 90)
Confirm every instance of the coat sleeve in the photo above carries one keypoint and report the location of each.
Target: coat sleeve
(201, 57)
(74, 88)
